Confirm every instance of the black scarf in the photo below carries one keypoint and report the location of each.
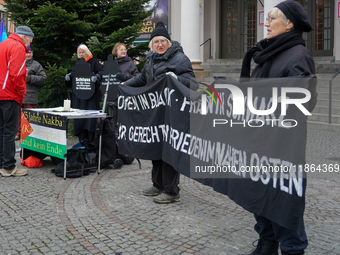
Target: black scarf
(265, 50)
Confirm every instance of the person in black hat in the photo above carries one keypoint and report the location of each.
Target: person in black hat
(165, 58)
(282, 54)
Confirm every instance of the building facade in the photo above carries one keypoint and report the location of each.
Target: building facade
(230, 27)
(9, 27)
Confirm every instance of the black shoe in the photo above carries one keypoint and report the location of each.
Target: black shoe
(153, 191)
(166, 198)
(286, 253)
(266, 247)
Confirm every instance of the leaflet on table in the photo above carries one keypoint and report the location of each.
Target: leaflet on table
(72, 112)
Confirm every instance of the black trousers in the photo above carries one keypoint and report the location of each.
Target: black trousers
(165, 177)
(290, 241)
(9, 119)
(84, 134)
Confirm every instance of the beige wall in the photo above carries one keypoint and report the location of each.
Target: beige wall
(1, 7)
(336, 51)
(175, 20)
(11, 26)
(260, 28)
(211, 29)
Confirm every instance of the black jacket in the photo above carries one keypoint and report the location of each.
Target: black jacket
(127, 67)
(174, 60)
(296, 61)
(38, 77)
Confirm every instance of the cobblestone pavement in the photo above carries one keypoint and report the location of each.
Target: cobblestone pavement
(107, 213)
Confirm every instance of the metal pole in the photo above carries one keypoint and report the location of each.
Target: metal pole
(65, 166)
(100, 151)
(330, 102)
(330, 97)
(209, 47)
(106, 93)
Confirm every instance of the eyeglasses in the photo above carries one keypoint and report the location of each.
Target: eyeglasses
(271, 18)
(162, 41)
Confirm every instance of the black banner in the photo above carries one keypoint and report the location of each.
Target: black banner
(252, 150)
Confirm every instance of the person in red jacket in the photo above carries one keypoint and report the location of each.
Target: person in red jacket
(12, 93)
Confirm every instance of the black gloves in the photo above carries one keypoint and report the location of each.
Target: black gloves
(122, 77)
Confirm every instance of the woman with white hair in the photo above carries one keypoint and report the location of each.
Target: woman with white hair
(85, 128)
(282, 54)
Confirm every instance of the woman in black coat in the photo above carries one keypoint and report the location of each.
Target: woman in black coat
(128, 70)
(165, 58)
(85, 128)
(282, 54)
(125, 63)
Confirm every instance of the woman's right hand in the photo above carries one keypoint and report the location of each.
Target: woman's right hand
(68, 77)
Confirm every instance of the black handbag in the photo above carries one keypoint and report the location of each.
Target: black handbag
(79, 163)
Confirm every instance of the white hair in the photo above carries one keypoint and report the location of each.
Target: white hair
(84, 48)
(278, 12)
(162, 37)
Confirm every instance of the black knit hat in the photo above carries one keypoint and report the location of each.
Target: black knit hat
(160, 30)
(296, 14)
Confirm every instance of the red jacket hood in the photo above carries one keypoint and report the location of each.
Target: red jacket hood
(13, 69)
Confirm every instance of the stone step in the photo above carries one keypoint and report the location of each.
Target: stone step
(323, 65)
(325, 110)
(226, 61)
(325, 95)
(325, 89)
(323, 117)
(225, 69)
(234, 75)
(211, 79)
(322, 86)
(327, 67)
(324, 59)
(323, 126)
(325, 102)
